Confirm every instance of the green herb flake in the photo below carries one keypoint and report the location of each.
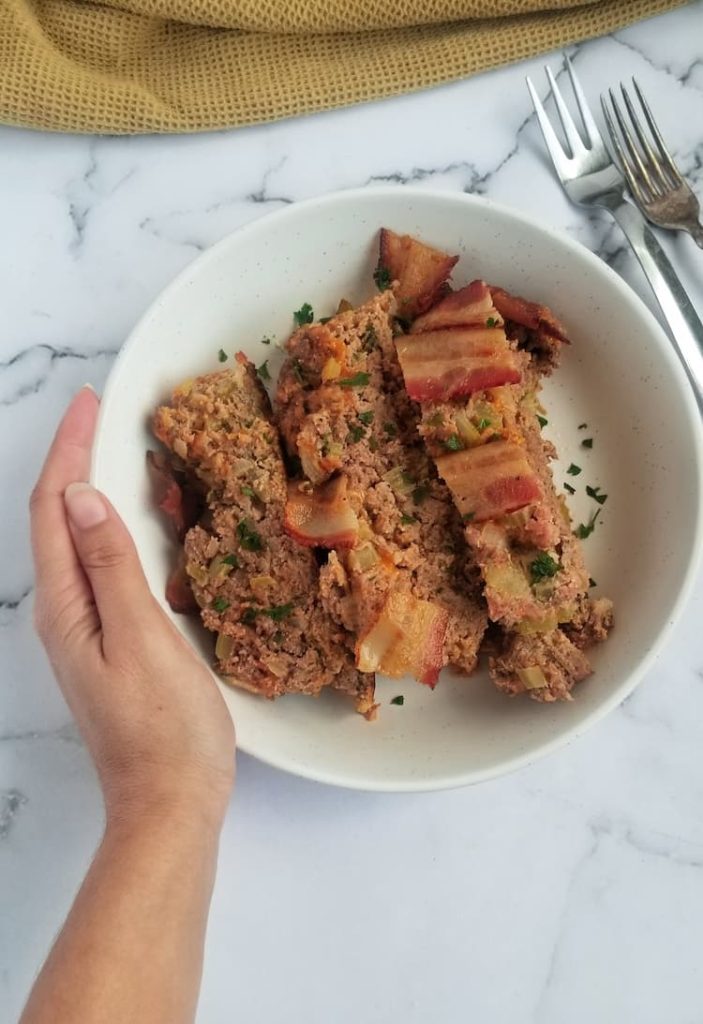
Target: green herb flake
(584, 530)
(279, 612)
(592, 492)
(249, 539)
(220, 604)
(454, 443)
(468, 517)
(399, 700)
(587, 442)
(573, 469)
(304, 315)
(231, 560)
(407, 520)
(542, 421)
(390, 429)
(569, 488)
(382, 277)
(483, 423)
(582, 426)
(359, 380)
(592, 582)
(370, 338)
(420, 493)
(366, 417)
(263, 370)
(266, 341)
(543, 567)
(249, 616)
(222, 356)
(355, 433)
(249, 491)
(491, 322)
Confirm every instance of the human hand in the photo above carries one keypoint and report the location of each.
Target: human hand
(149, 711)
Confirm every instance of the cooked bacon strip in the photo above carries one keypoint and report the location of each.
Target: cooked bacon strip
(407, 637)
(420, 270)
(180, 504)
(441, 365)
(490, 481)
(321, 516)
(471, 306)
(532, 315)
(179, 592)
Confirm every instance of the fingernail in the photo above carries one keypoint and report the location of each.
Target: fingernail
(85, 506)
(88, 387)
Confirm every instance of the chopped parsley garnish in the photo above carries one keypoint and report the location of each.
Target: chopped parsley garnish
(587, 442)
(584, 530)
(248, 537)
(542, 421)
(592, 582)
(249, 615)
(573, 469)
(582, 426)
(543, 567)
(231, 560)
(491, 322)
(366, 417)
(355, 433)
(468, 517)
(266, 341)
(249, 491)
(357, 381)
(399, 700)
(454, 443)
(483, 423)
(370, 338)
(222, 356)
(420, 493)
(592, 492)
(220, 604)
(569, 488)
(304, 315)
(263, 370)
(407, 520)
(279, 612)
(390, 429)
(382, 277)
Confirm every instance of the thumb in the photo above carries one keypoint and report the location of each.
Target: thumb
(108, 557)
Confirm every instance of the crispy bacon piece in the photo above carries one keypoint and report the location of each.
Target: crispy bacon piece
(532, 315)
(441, 365)
(179, 592)
(178, 502)
(420, 270)
(471, 306)
(321, 516)
(490, 481)
(407, 637)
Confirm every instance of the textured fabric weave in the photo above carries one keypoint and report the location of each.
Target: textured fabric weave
(126, 66)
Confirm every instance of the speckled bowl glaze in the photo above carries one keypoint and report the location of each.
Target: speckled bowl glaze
(620, 377)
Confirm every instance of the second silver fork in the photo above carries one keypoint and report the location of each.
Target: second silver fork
(591, 179)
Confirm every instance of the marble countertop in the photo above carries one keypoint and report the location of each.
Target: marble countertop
(570, 891)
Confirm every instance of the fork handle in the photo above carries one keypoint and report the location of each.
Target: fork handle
(684, 323)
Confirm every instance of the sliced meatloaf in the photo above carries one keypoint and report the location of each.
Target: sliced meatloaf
(256, 588)
(406, 567)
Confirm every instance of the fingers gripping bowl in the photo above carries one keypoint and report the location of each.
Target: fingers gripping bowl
(620, 377)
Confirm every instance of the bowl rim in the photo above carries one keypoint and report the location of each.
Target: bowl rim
(665, 351)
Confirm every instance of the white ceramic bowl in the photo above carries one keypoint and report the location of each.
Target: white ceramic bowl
(620, 377)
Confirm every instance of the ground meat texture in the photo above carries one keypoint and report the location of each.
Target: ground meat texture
(341, 407)
(591, 623)
(256, 589)
(561, 663)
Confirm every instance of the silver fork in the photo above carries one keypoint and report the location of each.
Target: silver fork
(655, 182)
(590, 178)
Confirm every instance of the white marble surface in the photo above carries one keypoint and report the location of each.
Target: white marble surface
(572, 891)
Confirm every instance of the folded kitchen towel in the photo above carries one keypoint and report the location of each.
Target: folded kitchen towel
(125, 66)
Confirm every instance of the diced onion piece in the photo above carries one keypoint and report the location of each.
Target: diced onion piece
(528, 627)
(261, 585)
(532, 678)
(507, 580)
(198, 573)
(491, 480)
(363, 557)
(471, 306)
(344, 306)
(466, 430)
(399, 481)
(323, 517)
(332, 369)
(407, 637)
(223, 646)
(218, 568)
(419, 270)
(441, 365)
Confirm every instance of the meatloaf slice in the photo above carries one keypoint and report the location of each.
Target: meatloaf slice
(341, 409)
(257, 590)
